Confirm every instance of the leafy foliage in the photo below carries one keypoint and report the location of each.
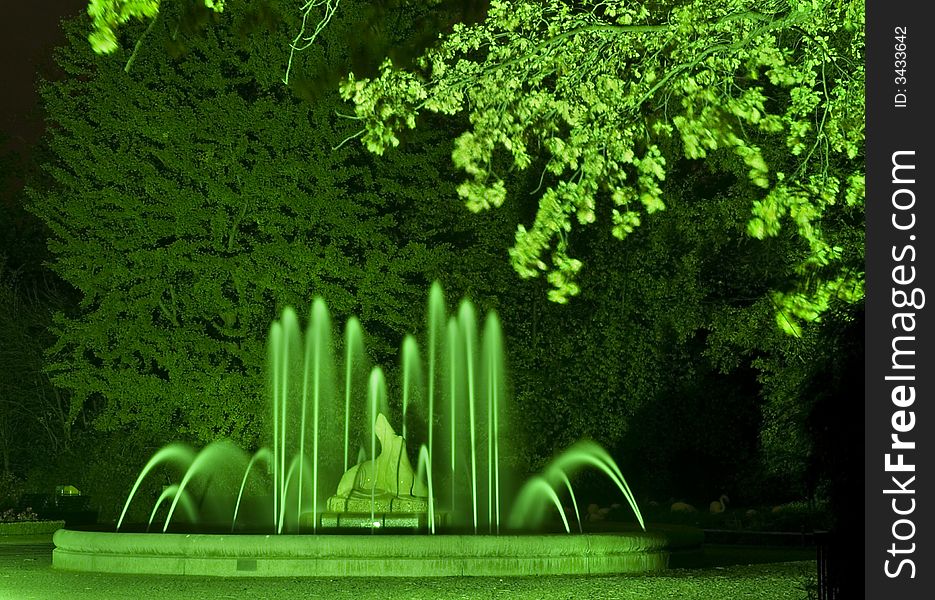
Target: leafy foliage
(12, 515)
(602, 89)
(193, 198)
(30, 407)
(721, 139)
(108, 15)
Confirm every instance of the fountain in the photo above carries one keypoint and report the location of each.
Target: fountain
(376, 515)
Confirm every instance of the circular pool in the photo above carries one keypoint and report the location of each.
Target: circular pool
(370, 555)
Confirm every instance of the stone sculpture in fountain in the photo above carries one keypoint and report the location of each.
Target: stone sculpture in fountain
(383, 490)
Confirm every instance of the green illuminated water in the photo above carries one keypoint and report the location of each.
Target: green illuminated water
(450, 411)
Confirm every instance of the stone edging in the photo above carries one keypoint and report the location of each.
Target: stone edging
(30, 527)
(365, 555)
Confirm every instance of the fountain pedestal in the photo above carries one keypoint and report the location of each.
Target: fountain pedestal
(361, 502)
(382, 492)
(378, 520)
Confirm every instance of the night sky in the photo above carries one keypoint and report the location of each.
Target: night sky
(29, 30)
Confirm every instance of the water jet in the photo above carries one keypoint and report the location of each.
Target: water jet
(323, 514)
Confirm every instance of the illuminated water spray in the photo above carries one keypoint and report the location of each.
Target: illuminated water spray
(323, 411)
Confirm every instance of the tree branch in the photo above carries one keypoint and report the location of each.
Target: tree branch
(774, 24)
(139, 42)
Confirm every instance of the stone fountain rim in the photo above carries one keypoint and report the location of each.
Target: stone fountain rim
(365, 555)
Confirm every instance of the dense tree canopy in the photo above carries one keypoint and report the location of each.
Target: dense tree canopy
(108, 15)
(193, 198)
(612, 93)
(194, 194)
(30, 407)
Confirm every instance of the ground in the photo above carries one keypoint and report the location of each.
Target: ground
(26, 574)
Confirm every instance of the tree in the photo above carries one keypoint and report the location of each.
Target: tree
(31, 409)
(33, 414)
(613, 93)
(722, 140)
(108, 15)
(193, 198)
(599, 85)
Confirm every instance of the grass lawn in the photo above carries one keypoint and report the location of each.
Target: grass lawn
(26, 574)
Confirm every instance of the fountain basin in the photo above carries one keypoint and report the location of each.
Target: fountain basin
(369, 555)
